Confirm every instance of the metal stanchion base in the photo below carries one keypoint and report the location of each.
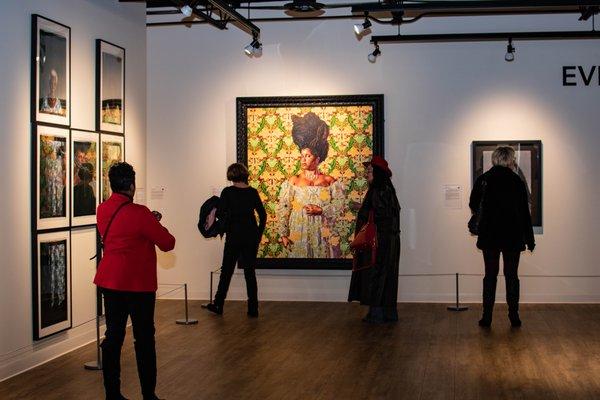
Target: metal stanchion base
(92, 366)
(186, 321)
(457, 308)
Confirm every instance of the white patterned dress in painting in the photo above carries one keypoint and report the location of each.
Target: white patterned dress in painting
(312, 236)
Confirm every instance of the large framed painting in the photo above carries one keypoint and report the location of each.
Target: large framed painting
(85, 182)
(51, 284)
(110, 87)
(529, 168)
(305, 156)
(51, 152)
(112, 151)
(51, 72)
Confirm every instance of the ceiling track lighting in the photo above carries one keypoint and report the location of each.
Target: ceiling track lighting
(186, 10)
(254, 49)
(372, 57)
(510, 51)
(360, 29)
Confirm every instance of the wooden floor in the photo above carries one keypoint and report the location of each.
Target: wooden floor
(324, 351)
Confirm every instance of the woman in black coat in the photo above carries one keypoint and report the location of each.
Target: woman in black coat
(504, 227)
(238, 204)
(377, 286)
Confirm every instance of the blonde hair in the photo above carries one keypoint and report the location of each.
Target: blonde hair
(503, 156)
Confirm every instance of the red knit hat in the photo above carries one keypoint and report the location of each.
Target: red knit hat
(379, 162)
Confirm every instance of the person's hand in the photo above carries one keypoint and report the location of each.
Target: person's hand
(530, 246)
(157, 215)
(285, 241)
(312, 209)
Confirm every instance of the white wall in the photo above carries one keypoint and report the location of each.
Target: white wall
(438, 99)
(123, 24)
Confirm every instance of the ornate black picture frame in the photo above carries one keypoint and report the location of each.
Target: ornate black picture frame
(273, 133)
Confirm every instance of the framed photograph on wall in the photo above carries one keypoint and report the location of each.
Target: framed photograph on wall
(305, 156)
(110, 87)
(85, 182)
(112, 150)
(51, 72)
(529, 168)
(51, 154)
(51, 284)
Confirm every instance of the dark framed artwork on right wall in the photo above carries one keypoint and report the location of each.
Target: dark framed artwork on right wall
(529, 168)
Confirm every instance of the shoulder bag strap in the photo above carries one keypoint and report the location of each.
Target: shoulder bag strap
(103, 238)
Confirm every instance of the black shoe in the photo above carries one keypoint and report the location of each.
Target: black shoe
(213, 308)
(253, 314)
(485, 321)
(515, 321)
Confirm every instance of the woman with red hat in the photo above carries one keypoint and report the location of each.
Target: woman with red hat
(377, 286)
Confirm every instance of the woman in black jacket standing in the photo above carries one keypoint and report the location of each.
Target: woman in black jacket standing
(377, 286)
(236, 212)
(504, 227)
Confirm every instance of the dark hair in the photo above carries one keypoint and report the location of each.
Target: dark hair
(237, 173)
(311, 132)
(380, 178)
(85, 172)
(121, 176)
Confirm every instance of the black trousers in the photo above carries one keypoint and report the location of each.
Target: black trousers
(491, 259)
(140, 307)
(244, 253)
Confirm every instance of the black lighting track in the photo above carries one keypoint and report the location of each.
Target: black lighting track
(481, 37)
(466, 8)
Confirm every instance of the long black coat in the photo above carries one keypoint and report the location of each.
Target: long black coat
(378, 286)
(505, 220)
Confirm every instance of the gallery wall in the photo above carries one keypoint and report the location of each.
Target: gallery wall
(438, 99)
(89, 20)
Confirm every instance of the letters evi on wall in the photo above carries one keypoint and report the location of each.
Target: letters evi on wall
(578, 75)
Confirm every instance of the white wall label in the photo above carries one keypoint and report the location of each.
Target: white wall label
(452, 196)
(157, 193)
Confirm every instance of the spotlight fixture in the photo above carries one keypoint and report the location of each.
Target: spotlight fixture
(254, 48)
(372, 57)
(186, 10)
(360, 29)
(510, 52)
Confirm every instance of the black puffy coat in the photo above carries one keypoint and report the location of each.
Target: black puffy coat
(505, 219)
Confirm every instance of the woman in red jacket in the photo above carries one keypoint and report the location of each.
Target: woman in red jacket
(127, 278)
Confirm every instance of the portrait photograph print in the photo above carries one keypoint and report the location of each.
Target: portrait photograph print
(529, 168)
(52, 284)
(112, 151)
(305, 156)
(110, 87)
(52, 179)
(51, 71)
(85, 185)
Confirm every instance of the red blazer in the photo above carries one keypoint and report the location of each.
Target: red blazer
(129, 257)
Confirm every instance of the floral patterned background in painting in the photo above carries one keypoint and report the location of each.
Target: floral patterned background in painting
(273, 157)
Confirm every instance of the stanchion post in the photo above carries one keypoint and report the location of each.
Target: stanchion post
(96, 365)
(457, 307)
(211, 286)
(187, 320)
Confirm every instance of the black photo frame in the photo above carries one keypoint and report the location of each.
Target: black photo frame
(529, 160)
(51, 281)
(363, 115)
(50, 72)
(110, 87)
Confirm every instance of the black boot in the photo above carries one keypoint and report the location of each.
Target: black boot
(489, 298)
(145, 355)
(213, 308)
(513, 288)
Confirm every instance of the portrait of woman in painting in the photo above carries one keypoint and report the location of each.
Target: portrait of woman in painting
(310, 201)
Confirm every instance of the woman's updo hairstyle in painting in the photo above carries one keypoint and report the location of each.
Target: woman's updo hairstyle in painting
(311, 132)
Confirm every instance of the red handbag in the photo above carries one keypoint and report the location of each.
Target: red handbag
(364, 245)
